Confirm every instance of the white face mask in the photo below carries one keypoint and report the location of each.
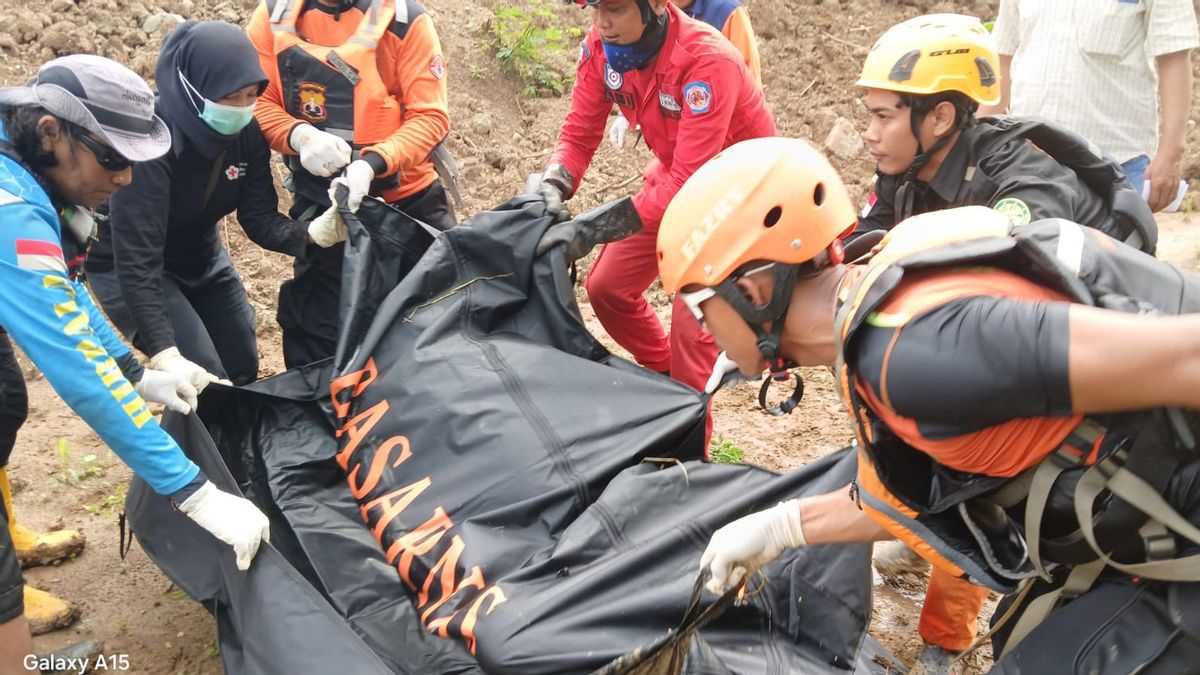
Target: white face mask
(224, 119)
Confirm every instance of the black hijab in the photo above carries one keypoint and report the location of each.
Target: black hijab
(217, 59)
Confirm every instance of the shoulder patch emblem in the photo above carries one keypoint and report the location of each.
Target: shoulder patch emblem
(698, 96)
(1016, 210)
(437, 66)
(612, 79)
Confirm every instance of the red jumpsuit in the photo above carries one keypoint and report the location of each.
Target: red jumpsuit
(695, 99)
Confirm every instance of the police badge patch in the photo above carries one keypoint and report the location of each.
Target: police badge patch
(312, 102)
(698, 96)
(612, 79)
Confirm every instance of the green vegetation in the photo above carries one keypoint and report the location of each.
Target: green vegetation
(110, 505)
(721, 451)
(527, 42)
(71, 472)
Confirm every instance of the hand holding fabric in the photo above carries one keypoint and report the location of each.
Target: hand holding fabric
(725, 368)
(171, 361)
(740, 548)
(321, 153)
(232, 519)
(169, 389)
(328, 228)
(555, 186)
(357, 179)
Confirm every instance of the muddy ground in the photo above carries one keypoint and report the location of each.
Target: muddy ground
(810, 49)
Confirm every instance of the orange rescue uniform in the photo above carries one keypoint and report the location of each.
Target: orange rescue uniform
(399, 107)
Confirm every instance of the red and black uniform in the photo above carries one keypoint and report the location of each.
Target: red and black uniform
(374, 75)
(958, 375)
(695, 99)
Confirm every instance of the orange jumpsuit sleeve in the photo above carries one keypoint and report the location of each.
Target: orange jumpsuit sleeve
(417, 77)
(274, 120)
(741, 34)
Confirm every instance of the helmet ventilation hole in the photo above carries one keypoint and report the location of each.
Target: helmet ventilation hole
(773, 216)
(819, 194)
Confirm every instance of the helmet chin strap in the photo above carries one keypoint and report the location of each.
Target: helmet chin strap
(768, 341)
(905, 194)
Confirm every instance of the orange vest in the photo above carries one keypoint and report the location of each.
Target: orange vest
(1003, 450)
(337, 89)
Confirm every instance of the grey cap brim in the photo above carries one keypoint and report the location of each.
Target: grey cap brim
(151, 139)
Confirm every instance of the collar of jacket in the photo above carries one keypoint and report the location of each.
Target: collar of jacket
(953, 172)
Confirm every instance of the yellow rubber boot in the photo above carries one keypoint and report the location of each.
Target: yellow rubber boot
(46, 613)
(37, 548)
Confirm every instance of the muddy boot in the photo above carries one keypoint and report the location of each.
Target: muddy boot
(46, 613)
(37, 548)
(894, 558)
(935, 661)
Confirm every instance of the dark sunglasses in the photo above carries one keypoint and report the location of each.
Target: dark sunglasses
(106, 157)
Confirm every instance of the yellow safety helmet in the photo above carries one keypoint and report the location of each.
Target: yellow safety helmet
(935, 53)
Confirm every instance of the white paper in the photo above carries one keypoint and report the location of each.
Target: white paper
(1173, 206)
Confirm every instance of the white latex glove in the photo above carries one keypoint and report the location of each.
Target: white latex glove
(737, 550)
(321, 153)
(721, 368)
(231, 519)
(357, 179)
(328, 228)
(169, 389)
(616, 132)
(171, 361)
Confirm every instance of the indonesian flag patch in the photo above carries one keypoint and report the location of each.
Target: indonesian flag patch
(33, 254)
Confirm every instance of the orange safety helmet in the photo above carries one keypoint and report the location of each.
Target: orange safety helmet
(935, 53)
(764, 199)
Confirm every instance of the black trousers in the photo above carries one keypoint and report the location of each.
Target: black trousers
(14, 408)
(309, 301)
(210, 314)
(14, 399)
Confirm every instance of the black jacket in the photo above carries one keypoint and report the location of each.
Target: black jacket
(167, 221)
(1024, 181)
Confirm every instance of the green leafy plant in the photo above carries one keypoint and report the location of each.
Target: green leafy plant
(110, 505)
(721, 451)
(526, 41)
(72, 472)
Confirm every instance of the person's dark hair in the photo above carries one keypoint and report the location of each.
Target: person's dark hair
(964, 105)
(20, 125)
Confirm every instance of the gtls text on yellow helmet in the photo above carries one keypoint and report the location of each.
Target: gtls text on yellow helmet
(765, 199)
(935, 53)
